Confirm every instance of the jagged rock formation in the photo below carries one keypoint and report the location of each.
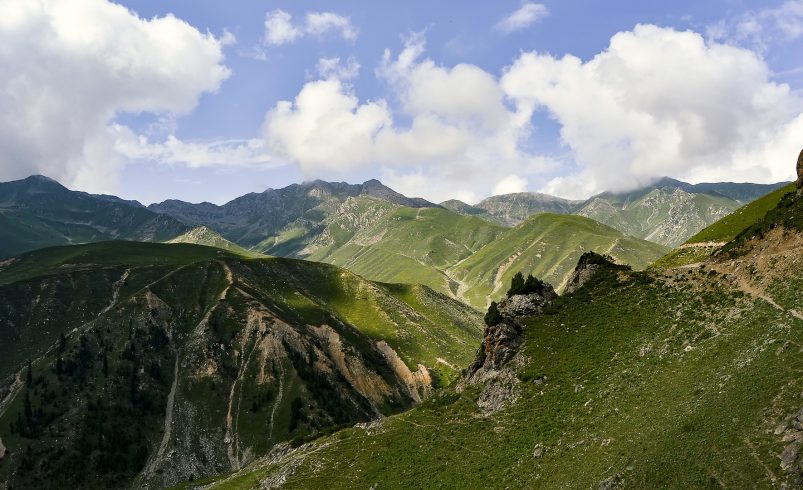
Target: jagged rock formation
(587, 266)
(498, 358)
(800, 172)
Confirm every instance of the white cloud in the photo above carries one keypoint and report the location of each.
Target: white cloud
(319, 23)
(458, 123)
(510, 184)
(528, 14)
(193, 154)
(325, 127)
(70, 67)
(279, 27)
(761, 28)
(333, 67)
(661, 102)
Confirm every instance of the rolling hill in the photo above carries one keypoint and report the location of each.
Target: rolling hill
(145, 364)
(680, 378)
(547, 246)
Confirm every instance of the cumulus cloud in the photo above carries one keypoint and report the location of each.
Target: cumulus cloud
(528, 14)
(458, 122)
(510, 184)
(333, 67)
(70, 67)
(325, 127)
(280, 29)
(661, 102)
(192, 154)
(760, 28)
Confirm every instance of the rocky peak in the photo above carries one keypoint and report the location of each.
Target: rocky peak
(502, 339)
(800, 172)
(587, 266)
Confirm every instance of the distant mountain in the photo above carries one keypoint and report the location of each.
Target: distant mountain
(140, 365)
(667, 212)
(547, 246)
(512, 209)
(39, 212)
(280, 221)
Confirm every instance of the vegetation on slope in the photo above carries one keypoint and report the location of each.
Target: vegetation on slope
(405, 245)
(547, 246)
(687, 379)
(39, 212)
(202, 235)
(699, 247)
(155, 363)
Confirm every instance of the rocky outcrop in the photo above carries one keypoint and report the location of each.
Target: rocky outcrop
(498, 358)
(800, 172)
(587, 266)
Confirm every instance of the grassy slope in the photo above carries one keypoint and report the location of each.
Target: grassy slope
(548, 246)
(296, 301)
(202, 235)
(655, 381)
(700, 246)
(406, 245)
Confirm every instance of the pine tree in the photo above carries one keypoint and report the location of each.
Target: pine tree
(516, 285)
(29, 377)
(62, 343)
(493, 317)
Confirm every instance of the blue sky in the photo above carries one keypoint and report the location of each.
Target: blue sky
(525, 132)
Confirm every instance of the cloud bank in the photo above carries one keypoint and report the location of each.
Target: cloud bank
(70, 67)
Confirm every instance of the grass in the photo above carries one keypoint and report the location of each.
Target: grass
(742, 221)
(661, 382)
(548, 246)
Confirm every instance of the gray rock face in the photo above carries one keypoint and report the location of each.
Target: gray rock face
(526, 305)
(498, 357)
(587, 266)
(800, 172)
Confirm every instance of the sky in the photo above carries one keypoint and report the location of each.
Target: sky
(203, 100)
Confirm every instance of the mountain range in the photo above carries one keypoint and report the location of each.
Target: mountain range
(667, 212)
(376, 232)
(202, 362)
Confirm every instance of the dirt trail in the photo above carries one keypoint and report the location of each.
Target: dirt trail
(116, 291)
(171, 398)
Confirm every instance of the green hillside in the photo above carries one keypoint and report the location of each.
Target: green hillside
(39, 212)
(679, 379)
(201, 235)
(663, 215)
(548, 246)
(700, 246)
(156, 363)
(401, 244)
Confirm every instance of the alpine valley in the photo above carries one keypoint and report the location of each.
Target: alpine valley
(331, 335)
